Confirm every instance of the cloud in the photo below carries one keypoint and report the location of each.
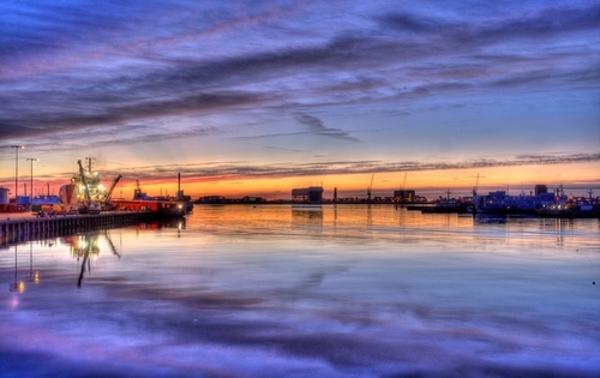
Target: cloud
(67, 70)
(64, 120)
(541, 23)
(317, 127)
(282, 149)
(218, 171)
(403, 21)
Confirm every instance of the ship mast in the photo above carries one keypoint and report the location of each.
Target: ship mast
(88, 197)
(90, 161)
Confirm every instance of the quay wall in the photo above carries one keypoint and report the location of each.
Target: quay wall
(37, 228)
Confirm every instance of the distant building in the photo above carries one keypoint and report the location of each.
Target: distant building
(539, 189)
(213, 199)
(312, 194)
(404, 195)
(499, 202)
(249, 199)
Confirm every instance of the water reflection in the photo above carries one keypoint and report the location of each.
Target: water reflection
(86, 247)
(178, 223)
(333, 291)
(308, 218)
(33, 277)
(18, 285)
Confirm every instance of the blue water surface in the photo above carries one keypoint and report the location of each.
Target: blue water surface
(287, 291)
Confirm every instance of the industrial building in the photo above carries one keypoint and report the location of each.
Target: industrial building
(404, 195)
(540, 189)
(312, 194)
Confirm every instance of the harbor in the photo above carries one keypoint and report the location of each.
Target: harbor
(86, 195)
(295, 189)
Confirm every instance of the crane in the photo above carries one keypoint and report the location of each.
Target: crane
(476, 186)
(369, 188)
(108, 194)
(88, 198)
(137, 193)
(402, 193)
(404, 181)
(90, 206)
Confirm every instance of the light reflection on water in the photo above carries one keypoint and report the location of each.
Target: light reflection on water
(277, 290)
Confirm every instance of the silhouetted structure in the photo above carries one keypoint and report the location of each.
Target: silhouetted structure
(312, 194)
(404, 195)
(539, 189)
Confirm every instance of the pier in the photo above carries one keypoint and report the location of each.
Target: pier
(24, 227)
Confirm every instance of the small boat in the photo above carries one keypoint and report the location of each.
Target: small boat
(570, 211)
(450, 205)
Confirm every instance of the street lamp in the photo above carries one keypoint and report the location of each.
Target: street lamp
(17, 148)
(31, 182)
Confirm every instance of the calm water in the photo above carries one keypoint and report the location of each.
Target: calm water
(274, 291)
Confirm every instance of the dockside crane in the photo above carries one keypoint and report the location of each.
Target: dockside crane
(86, 189)
(370, 188)
(137, 193)
(90, 206)
(476, 186)
(112, 187)
(108, 194)
(402, 193)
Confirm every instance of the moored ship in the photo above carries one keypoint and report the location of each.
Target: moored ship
(168, 207)
(542, 203)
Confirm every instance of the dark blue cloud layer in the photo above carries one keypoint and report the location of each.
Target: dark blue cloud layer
(74, 65)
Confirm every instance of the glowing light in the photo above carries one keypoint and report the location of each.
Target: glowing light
(14, 303)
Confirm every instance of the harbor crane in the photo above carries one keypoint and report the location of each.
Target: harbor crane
(369, 188)
(404, 181)
(108, 194)
(402, 192)
(476, 186)
(137, 193)
(90, 206)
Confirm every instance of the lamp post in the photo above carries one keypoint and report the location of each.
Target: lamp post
(17, 148)
(31, 182)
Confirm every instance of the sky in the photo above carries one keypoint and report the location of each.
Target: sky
(256, 98)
